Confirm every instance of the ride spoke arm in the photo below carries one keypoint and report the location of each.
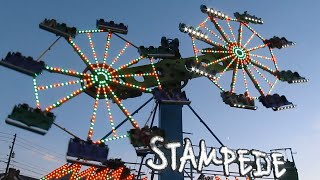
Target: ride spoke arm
(119, 55)
(120, 105)
(262, 75)
(254, 81)
(133, 75)
(212, 43)
(59, 84)
(67, 98)
(263, 67)
(195, 50)
(272, 87)
(212, 32)
(202, 24)
(226, 68)
(245, 79)
(114, 80)
(213, 51)
(234, 77)
(248, 41)
(92, 48)
(274, 59)
(231, 31)
(257, 47)
(154, 70)
(259, 56)
(221, 31)
(66, 72)
(215, 83)
(253, 31)
(240, 32)
(106, 51)
(113, 138)
(109, 112)
(134, 61)
(220, 60)
(36, 93)
(94, 114)
(270, 84)
(80, 53)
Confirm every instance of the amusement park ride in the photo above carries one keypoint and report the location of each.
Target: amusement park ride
(165, 73)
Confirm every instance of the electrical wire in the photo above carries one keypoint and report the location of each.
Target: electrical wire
(6, 136)
(32, 145)
(31, 148)
(30, 168)
(41, 149)
(6, 133)
(33, 166)
(23, 168)
(5, 141)
(40, 152)
(49, 150)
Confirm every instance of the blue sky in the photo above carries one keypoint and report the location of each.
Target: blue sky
(148, 21)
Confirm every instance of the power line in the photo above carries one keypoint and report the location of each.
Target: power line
(32, 146)
(23, 168)
(4, 141)
(38, 149)
(6, 133)
(50, 150)
(32, 166)
(7, 137)
(59, 158)
(23, 140)
(3, 161)
(33, 150)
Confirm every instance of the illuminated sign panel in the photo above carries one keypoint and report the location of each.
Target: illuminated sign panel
(261, 165)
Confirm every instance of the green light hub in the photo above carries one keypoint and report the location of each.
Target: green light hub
(239, 52)
(101, 77)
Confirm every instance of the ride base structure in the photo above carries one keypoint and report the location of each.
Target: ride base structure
(165, 73)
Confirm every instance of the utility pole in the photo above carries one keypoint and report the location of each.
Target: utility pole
(11, 152)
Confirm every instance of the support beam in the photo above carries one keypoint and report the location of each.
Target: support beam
(170, 120)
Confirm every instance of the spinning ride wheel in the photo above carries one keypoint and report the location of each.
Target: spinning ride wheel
(99, 79)
(252, 58)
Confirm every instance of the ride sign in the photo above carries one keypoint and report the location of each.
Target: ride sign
(262, 165)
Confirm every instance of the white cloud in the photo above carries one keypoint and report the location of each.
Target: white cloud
(49, 157)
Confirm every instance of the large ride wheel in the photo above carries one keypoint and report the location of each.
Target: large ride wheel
(99, 78)
(232, 52)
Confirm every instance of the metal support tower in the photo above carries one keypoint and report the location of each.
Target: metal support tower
(170, 120)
